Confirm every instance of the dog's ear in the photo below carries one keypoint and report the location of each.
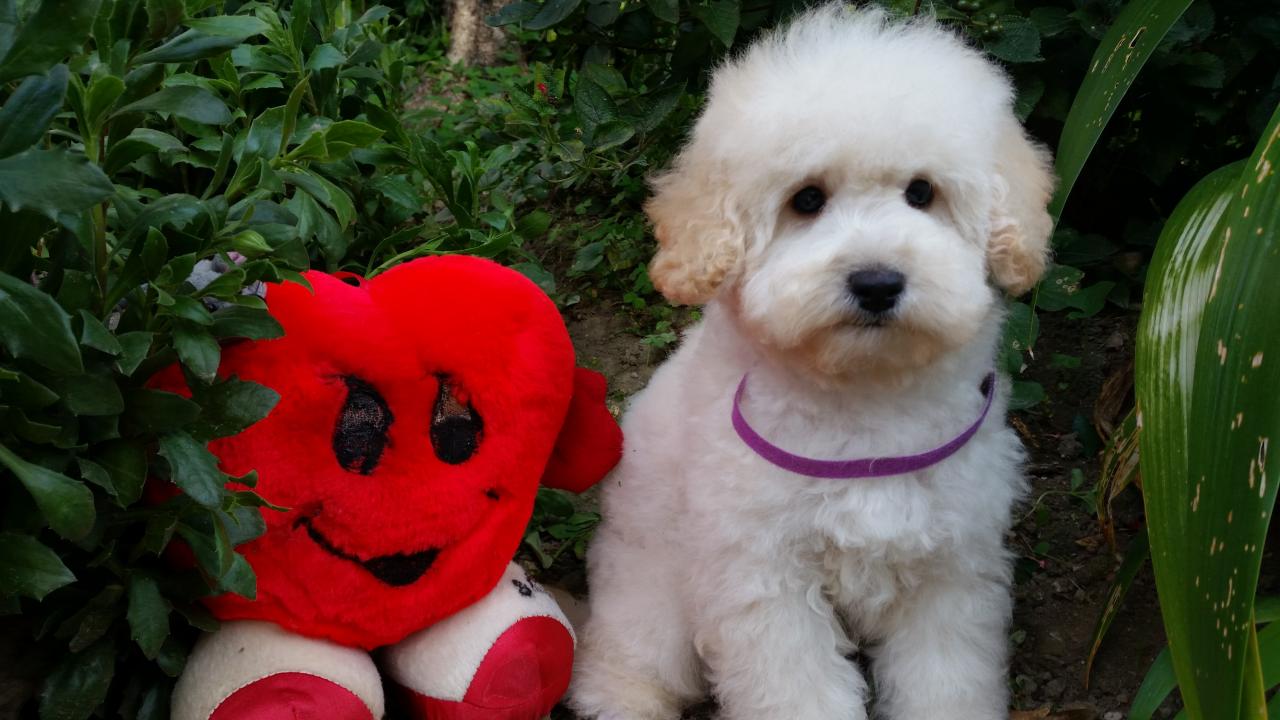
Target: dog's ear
(700, 231)
(1018, 248)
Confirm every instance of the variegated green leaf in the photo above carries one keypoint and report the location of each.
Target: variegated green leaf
(1207, 380)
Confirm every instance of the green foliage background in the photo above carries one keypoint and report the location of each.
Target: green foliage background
(139, 138)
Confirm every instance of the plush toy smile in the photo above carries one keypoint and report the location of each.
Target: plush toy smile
(395, 570)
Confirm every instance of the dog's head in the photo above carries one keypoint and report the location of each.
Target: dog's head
(856, 190)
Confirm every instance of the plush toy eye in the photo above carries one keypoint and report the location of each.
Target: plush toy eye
(360, 435)
(809, 200)
(455, 427)
(919, 193)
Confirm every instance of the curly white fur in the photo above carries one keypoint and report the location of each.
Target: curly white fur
(714, 570)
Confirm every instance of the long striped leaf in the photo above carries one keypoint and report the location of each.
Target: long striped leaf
(1124, 49)
(1208, 375)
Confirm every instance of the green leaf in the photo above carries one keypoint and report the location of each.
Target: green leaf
(190, 309)
(101, 95)
(265, 135)
(193, 468)
(197, 349)
(26, 429)
(220, 170)
(163, 16)
(230, 407)
(190, 45)
(588, 257)
(126, 462)
(534, 225)
(263, 82)
(95, 335)
(1025, 394)
(1206, 385)
(1122, 52)
(189, 102)
(1051, 21)
(56, 29)
(1019, 42)
(28, 393)
(140, 143)
(665, 10)
(93, 620)
(133, 350)
(325, 57)
(79, 683)
(540, 276)
(148, 615)
(657, 105)
(315, 223)
(90, 394)
(66, 504)
(611, 134)
(243, 322)
(211, 544)
(30, 569)
(349, 133)
(159, 411)
(326, 192)
(227, 285)
(593, 104)
(291, 107)
(29, 110)
(241, 27)
(721, 17)
(33, 326)
(551, 13)
(52, 182)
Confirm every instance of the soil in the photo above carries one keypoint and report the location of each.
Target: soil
(1065, 566)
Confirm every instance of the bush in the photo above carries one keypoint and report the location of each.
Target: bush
(141, 143)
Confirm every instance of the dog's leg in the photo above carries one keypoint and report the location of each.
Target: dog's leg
(944, 653)
(635, 656)
(772, 643)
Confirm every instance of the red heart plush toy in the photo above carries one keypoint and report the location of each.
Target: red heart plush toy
(418, 412)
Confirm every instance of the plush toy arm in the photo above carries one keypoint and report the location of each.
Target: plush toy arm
(590, 441)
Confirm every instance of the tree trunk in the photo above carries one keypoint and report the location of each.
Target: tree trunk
(471, 41)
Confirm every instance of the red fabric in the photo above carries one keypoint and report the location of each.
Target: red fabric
(590, 442)
(503, 346)
(292, 696)
(522, 677)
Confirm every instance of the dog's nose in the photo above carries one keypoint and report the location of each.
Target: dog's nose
(877, 291)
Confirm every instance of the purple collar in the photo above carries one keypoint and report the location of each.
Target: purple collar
(862, 467)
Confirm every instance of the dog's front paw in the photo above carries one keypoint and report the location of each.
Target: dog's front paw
(619, 698)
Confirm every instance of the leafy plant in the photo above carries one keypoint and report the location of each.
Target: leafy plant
(156, 160)
(1206, 412)
(558, 526)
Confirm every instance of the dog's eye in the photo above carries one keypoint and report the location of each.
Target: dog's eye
(808, 201)
(919, 193)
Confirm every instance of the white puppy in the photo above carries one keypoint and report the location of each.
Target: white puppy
(852, 200)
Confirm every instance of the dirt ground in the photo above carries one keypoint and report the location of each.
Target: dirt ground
(1065, 566)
